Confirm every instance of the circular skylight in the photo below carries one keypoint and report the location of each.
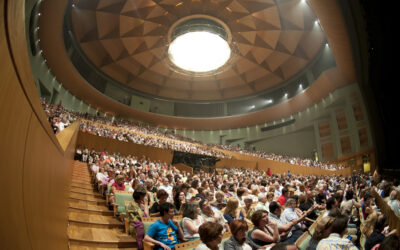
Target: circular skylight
(199, 51)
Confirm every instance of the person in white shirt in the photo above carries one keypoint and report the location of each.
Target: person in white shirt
(167, 189)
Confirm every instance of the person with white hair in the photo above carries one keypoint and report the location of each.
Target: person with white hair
(262, 203)
(394, 202)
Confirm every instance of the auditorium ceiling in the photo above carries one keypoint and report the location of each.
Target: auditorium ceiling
(128, 41)
(272, 42)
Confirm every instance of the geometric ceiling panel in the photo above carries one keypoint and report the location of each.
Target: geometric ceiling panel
(128, 41)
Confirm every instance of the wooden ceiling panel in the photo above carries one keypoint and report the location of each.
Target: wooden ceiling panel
(266, 82)
(311, 42)
(205, 85)
(85, 23)
(238, 91)
(269, 15)
(131, 65)
(153, 77)
(260, 54)
(290, 39)
(181, 76)
(114, 47)
(292, 11)
(132, 43)
(229, 72)
(127, 23)
(161, 67)
(271, 37)
(276, 59)
(94, 51)
(243, 65)
(107, 23)
(145, 58)
(178, 83)
(116, 72)
(231, 82)
(235, 6)
(292, 66)
(255, 74)
(144, 86)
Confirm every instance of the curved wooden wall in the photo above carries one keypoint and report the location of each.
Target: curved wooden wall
(125, 148)
(35, 169)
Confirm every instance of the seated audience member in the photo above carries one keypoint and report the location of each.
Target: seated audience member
(165, 231)
(211, 236)
(168, 188)
(331, 203)
(262, 202)
(248, 209)
(285, 228)
(179, 201)
(377, 235)
(220, 201)
(335, 240)
(290, 214)
(282, 199)
(232, 211)
(191, 220)
(239, 194)
(136, 210)
(265, 232)
(347, 205)
(321, 197)
(238, 239)
(209, 214)
(322, 231)
(366, 206)
(162, 197)
(389, 243)
(118, 185)
(394, 202)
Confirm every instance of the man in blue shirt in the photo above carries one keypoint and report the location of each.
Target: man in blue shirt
(164, 231)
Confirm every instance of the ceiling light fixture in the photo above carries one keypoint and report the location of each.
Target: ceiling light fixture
(199, 45)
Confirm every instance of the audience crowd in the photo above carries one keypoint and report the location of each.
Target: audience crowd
(129, 131)
(260, 211)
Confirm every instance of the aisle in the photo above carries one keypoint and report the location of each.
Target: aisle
(90, 224)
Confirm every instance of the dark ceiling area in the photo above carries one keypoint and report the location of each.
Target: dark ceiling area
(371, 24)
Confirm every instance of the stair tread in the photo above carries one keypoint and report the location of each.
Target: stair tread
(114, 235)
(73, 247)
(93, 218)
(82, 190)
(87, 197)
(87, 206)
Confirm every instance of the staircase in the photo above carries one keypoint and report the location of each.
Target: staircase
(91, 223)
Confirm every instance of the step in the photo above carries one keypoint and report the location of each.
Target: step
(93, 246)
(82, 190)
(94, 221)
(81, 174)
(86, 197)
(112, 237)
(92, 202)
(87, 208)
(82, 185)
(82, 178)
(94, 195)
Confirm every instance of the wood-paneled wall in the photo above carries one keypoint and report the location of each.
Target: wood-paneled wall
(35, 170)
(125, 148)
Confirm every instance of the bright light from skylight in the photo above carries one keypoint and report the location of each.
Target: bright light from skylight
(199, 51)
